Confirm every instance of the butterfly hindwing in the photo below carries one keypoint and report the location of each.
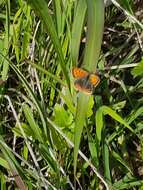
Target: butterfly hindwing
(80, 85)
(94, 79)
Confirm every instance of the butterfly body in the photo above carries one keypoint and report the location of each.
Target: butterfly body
(85, 81)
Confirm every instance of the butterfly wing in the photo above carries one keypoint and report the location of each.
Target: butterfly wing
(83, 85)
(79, 73)
(85, 82)
(94, 79)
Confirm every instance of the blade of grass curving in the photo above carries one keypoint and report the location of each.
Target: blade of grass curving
(49, 157)
(104, 110)
(134, 115)
(77, 29)
(41, 7)
(95, 27)
(122, 161)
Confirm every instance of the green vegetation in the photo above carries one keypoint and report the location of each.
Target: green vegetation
(52, 136)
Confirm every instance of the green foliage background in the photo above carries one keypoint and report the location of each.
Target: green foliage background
(51, 136)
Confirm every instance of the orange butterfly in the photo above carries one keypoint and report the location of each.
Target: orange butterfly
(85, 81)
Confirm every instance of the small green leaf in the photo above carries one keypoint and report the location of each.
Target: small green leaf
(138, 70)
(4, 163)
(62, 117)
(93, 149)
(99, 123)
(25, 127)
(90, 106)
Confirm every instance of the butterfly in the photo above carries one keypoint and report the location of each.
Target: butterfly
(85, 81)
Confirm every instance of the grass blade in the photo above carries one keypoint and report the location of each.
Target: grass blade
(41, 8)
(79, 123)
(104, 110)
(77, 30)
(95, 26)
(34, 127)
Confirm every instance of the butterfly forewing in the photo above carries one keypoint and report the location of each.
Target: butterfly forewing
(79, 73)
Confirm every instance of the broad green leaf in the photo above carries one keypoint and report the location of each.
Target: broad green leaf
(95, 23)
(79, 124)
(95, 27)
